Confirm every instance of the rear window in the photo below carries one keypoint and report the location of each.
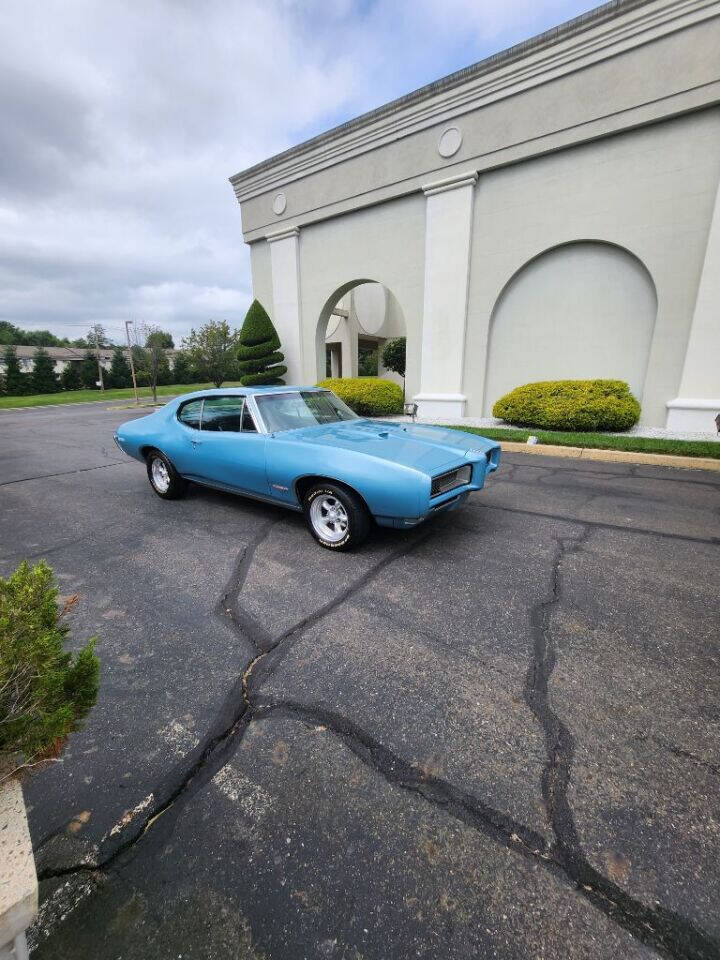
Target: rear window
(189, 414)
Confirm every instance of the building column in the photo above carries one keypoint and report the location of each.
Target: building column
(448, 236)
(285, 267)
(699, 401)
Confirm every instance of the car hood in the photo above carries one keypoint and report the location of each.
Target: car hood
(418, 446)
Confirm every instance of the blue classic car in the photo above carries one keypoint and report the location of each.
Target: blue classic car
(303, 448)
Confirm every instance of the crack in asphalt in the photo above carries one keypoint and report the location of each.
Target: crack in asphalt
(64, 473)
(598, 524)
(662, 929)
(632, 472)
(202, 763)
(679, 752)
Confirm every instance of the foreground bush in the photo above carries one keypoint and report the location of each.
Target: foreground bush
(44, 691)
(367, 396)
(570, 405)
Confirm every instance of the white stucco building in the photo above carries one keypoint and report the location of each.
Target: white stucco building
(549, 212)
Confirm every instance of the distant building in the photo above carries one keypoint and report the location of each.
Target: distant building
(62, 356)
(550, 212)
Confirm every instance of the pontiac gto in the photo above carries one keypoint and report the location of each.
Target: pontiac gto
(303, 448)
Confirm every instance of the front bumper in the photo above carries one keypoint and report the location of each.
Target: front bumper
(482, 465)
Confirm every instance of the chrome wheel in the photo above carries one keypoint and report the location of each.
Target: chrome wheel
(160, 475)
(329, 518)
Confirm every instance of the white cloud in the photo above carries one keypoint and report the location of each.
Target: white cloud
(122, 123)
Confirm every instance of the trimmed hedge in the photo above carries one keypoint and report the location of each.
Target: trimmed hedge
(367, 396)
(581, 405)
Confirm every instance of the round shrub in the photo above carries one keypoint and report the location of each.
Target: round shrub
(570, 405)
(367, 396)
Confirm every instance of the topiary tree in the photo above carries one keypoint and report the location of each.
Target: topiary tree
(45, 691)
(16, 382)
(393, 357)
(259, 356)
(43, 377)
(119, 375)
(70, 377)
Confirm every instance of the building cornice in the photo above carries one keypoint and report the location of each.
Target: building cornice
(283, 234)
(467, 179)
(592, 37)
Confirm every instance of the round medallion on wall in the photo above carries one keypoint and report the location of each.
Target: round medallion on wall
(279, 204)
(449, 142)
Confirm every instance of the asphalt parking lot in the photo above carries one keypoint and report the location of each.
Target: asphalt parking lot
(497, 735)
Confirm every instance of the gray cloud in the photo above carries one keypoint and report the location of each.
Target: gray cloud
(122, 123)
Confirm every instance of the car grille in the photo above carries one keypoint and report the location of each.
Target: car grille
(448, 481)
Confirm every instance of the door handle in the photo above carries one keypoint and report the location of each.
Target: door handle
(196, 443)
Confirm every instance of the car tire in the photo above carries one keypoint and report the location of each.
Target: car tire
(164, 478)
(336, 516)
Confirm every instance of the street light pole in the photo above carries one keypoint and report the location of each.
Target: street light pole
(97, 354)
(132, 362)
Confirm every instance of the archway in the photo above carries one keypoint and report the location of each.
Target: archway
(354, 324)
(578, 311)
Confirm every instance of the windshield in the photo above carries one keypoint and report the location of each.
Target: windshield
(306, 408)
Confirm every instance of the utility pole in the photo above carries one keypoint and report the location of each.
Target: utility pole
(132, 362)
(97, 354)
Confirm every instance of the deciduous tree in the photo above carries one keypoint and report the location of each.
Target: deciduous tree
(212, 351)
(393, 357)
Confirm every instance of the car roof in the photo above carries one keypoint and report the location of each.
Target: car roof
(242, 391)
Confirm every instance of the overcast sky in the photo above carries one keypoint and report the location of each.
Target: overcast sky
(122, 121)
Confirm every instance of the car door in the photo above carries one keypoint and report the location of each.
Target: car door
(229, 450)
(183, 442)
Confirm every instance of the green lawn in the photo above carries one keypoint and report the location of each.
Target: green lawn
(603, 441)
(97, 396)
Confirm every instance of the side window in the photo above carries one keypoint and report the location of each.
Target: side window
(222, 414)
(248, 424)
(189, 413)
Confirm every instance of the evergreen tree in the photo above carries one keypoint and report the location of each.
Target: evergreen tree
(181, 371)
(258, 353)
(89, 371)
(43, 377)
(119, 375)
(16, 382)
(70, 377)
(45, 689)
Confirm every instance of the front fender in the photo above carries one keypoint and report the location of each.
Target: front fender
(388, 489)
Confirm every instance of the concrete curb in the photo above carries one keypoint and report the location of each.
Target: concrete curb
(614, 456)
(18, 879)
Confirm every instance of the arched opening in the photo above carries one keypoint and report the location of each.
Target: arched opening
(354, 325)
(578, 311)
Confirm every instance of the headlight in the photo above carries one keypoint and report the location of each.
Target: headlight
(453, 478)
